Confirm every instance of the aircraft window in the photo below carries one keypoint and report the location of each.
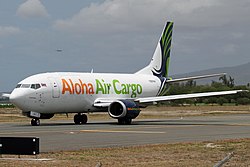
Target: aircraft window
(38, 86)
(25, 86)
(18, 86)
(35, 86)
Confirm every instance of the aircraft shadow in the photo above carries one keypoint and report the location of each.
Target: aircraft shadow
(140, 123)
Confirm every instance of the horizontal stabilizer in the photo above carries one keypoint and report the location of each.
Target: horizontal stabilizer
(6, 95)
(195, 77)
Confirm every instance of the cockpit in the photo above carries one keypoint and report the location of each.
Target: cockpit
(32, 86)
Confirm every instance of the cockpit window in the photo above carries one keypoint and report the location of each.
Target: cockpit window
(32, 86)
(35, 86)
(18, 86)
(25, 86)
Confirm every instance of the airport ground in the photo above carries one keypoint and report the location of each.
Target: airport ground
(175, 122)
(151, 112)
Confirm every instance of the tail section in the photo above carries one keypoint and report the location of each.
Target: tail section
(160, 62)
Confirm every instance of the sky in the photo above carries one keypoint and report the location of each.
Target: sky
(118, 35)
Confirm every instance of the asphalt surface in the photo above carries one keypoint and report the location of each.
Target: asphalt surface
(64, 135)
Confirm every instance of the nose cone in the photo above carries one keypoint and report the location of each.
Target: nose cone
(17, 98)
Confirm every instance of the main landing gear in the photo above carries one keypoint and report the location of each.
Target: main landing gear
(80, 119)
(35, 122)
(124, 121)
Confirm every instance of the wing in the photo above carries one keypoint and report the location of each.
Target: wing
(106, 102)
(185, 96)
(100, 102)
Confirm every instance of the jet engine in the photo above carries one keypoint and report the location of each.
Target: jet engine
(123, 109)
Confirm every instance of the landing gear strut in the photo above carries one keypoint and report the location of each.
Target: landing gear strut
(35, 122)
(80, 119)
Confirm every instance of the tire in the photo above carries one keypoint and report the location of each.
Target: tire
(77, 119)
(121, 122)
(124, 121)
(128, 121)
(35, 122)
(84, 119)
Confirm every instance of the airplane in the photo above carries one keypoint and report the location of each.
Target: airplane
(41, 96)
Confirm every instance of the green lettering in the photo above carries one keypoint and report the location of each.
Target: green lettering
(139, 89)
(99, 87)
(125, 89)
(134, 89)
(115, 88)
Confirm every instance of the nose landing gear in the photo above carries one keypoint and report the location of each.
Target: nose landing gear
(35, 122)
(80, 119)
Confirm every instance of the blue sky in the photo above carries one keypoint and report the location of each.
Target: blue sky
(118, 35)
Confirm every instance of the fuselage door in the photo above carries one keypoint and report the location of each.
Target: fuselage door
(55, 88)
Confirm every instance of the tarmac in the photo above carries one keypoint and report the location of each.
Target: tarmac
(65, 135)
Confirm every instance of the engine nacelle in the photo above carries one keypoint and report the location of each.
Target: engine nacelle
(123, 109)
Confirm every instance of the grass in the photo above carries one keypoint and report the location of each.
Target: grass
(6, 105)
(174, 155)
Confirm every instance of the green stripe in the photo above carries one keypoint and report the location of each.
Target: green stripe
(168, 39)
(167, 29)
(168, 42)
(167, 65)
(165, 32)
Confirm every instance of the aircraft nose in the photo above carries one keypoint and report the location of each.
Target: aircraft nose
(16, 97)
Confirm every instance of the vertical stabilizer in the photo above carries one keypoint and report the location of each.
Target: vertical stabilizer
(160, 62)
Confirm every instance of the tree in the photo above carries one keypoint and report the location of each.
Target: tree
(212, 100)
(224, 79)
(231, 82)
(228, 82)
(221, 100)
(191, 83)
(243, 101)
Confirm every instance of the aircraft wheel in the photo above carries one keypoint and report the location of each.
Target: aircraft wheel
(80, 119)
(35, 122)
(127, 121)
(84, 119)
(77, 119)
(120, 122)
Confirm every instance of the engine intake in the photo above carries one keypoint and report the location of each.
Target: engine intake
(123, 109)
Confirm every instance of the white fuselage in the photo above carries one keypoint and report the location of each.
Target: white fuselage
(76, 92)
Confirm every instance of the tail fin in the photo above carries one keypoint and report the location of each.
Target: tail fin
(160, 62)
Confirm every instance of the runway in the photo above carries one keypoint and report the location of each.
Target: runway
(64, 135)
